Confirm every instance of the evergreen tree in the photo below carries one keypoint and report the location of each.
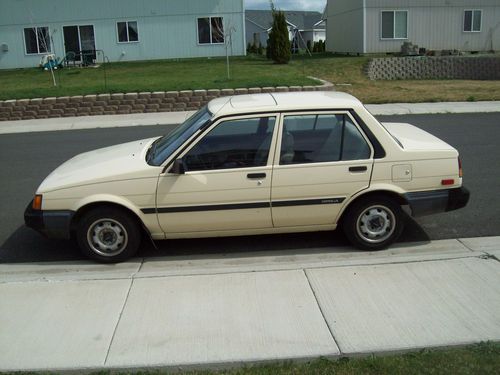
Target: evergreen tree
(279, 42)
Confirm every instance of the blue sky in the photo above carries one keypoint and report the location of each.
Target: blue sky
(317, 5)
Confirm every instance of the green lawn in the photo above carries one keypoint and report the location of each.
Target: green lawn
(251, 71)
(481, 359)
(161, 75)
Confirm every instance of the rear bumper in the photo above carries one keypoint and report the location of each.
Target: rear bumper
(52, 224)
(430, 202)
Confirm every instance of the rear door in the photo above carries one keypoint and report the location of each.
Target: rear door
(321, 160)
(227, 182)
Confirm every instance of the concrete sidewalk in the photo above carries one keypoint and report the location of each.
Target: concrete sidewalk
(224, 310)
(170, 118)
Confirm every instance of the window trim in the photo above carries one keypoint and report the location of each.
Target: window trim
(191, 143)
(394, 11)
(277, 152)
(128, 37)
(37, 42)
(210, 23)
(472, 21)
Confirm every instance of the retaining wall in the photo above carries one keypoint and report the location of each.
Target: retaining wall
(113, 104)
(474, 68)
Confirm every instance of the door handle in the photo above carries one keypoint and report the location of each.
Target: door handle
(358, 169)
(256, 176)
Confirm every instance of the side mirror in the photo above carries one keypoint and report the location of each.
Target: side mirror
(177, 167)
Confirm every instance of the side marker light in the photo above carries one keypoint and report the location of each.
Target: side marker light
(37, 202)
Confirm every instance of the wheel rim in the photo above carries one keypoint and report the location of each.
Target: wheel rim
(107, 237)
(376, 224)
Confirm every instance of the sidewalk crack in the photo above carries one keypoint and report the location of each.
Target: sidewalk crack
(465, 245)
(139, 269)
(322, 312)
(118, 322)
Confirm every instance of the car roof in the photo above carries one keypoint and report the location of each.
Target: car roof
(287, 101)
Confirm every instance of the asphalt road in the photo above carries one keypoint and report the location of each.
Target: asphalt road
(25, 159)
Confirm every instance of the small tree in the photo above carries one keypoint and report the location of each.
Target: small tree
(224, 34)
(268, 49)
(279, 42)
(260, 49)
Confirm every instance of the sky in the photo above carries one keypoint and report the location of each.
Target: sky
(317, 5)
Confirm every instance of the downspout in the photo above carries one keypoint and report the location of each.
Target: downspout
(244, 36)
(364, 26)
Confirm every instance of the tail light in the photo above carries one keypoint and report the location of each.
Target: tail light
(460, 172)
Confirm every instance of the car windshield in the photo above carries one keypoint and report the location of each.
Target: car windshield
(163, 147)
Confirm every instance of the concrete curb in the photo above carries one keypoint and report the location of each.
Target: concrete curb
(433, 108)
(93, 122)
(171, 118)
(228, 310)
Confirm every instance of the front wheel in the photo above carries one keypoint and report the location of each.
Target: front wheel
(373, 223)
(108, 235)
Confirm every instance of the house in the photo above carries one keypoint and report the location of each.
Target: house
(121, 30)
(302, 26)
(381, 26)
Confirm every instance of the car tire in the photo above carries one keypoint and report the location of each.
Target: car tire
(373, 223)
(108, 235)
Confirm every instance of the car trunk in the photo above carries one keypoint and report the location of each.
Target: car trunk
(412, 138)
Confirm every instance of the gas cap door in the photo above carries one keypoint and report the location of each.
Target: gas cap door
(401, 173)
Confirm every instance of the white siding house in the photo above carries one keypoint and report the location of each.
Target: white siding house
(309, 25)
(122, 30)
(381, 26)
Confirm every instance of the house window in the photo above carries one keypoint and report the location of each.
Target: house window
(210, 30)
(395, 24)
(127, 32)
(472, 20)
(37, 40)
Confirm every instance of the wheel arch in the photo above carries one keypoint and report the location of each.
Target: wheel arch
(93, 202)
(396, 194)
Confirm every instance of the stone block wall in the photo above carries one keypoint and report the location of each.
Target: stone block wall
(142, 102)
(452, 67)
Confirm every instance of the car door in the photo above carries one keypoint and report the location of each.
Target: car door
(226, 184)
(322, 160)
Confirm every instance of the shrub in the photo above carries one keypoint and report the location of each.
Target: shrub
(279, 42)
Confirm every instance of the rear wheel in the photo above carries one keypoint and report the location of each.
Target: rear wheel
(108, 235)
(373, 223)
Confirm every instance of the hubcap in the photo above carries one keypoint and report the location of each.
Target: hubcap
(376, 224)
(107, 237)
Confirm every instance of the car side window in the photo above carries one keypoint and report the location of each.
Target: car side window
(354, 145)
(321, 138)
(233, 144)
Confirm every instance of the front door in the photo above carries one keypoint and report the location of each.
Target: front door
(80, 40)
(227, 181)
(322, 160)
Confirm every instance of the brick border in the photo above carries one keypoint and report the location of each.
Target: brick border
(474, 68)
(117, 104)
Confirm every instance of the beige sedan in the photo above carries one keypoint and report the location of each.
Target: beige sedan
(252, 164)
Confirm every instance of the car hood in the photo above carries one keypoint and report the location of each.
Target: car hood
(120, 162)
(415, 139)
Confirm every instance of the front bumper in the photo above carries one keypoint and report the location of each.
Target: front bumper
(430, 202)
(52, 224)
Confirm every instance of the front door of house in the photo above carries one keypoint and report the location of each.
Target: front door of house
(81, 41)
